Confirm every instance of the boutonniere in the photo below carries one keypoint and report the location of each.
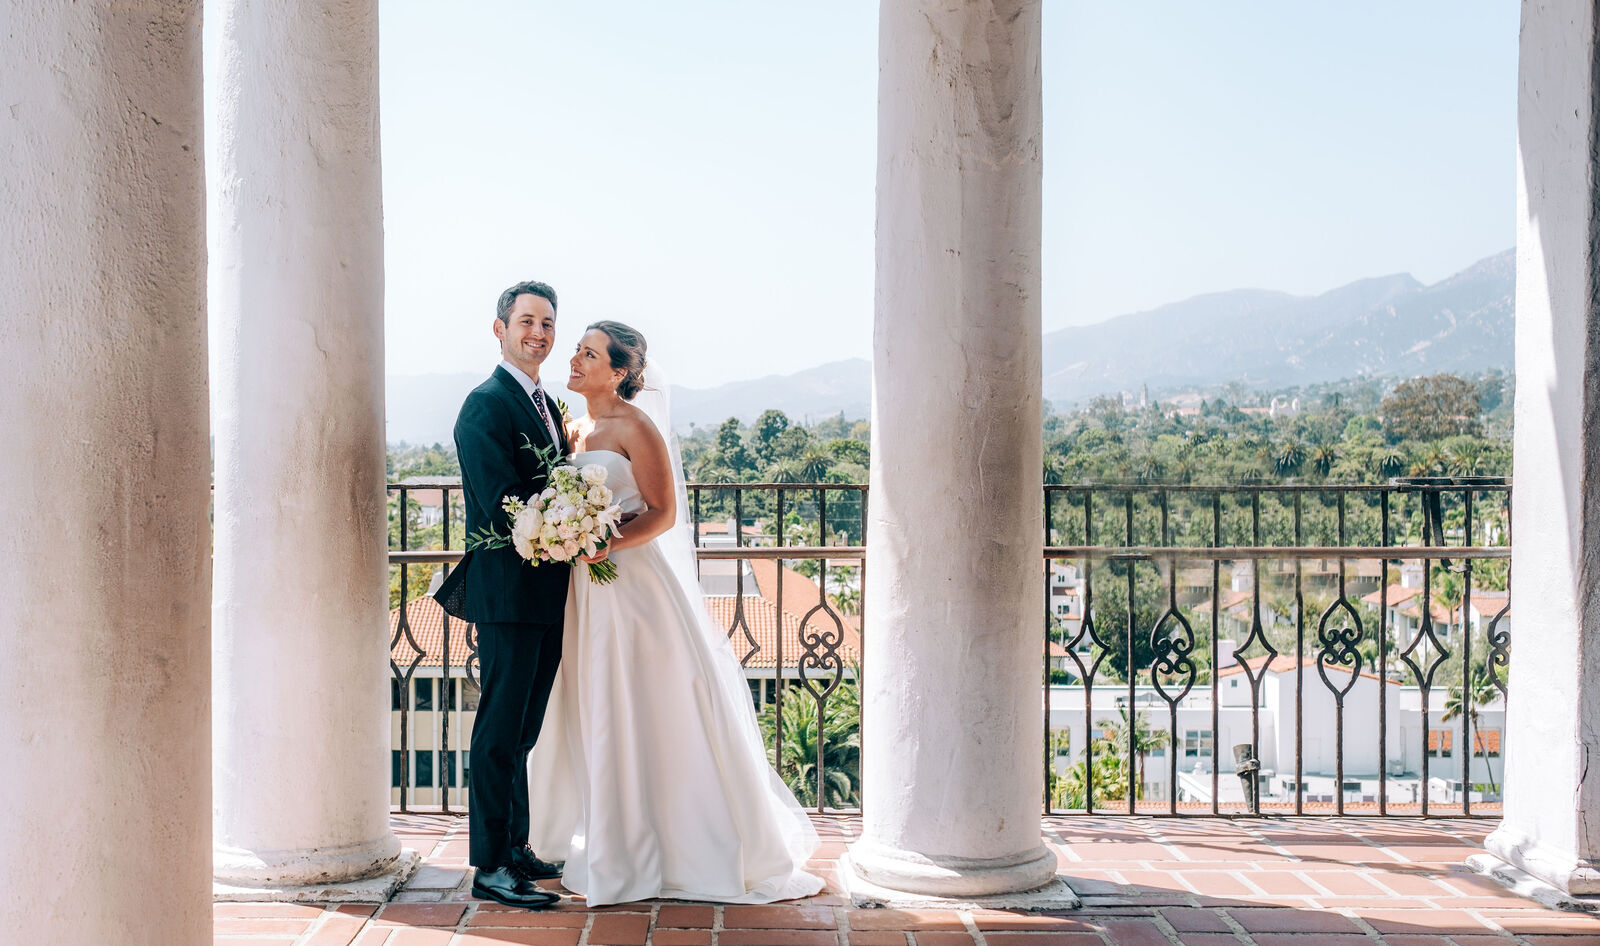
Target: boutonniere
(566, 415)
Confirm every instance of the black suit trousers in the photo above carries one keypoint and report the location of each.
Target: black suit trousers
(516, 668)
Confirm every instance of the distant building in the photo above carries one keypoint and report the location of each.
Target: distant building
(428, 493)
(1403, 604)
(1202, 749)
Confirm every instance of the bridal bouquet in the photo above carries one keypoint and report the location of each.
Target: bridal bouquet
(574, 515)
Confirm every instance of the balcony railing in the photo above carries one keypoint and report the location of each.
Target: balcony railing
(786, 584)
(1269, 615)
(1344, 637)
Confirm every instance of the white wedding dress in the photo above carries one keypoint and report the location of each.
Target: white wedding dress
(649, 777)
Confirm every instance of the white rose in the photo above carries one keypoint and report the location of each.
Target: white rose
(524, 535)
(598, 496)
(548, 492)
(594, 474)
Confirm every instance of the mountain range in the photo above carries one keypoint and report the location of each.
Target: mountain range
(1386, 326)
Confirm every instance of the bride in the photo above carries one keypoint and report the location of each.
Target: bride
(649, 775)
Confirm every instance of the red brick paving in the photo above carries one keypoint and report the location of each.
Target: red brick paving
(1144, 881)
(769, 937)
(524, 918)
(1135, 932)
(686, 916)
(522, 937)
(1209, 939)
(619, 929)
(943, 938)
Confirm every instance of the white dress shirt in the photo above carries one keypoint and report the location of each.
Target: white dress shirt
(529, 385)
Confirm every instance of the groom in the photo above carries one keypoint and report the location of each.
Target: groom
(517, 607)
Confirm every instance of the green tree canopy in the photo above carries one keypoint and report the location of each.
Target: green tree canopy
(768, 427)
(1431, 408)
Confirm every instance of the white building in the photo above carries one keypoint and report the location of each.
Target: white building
(1204, 737)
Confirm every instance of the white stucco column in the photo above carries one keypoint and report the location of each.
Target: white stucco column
(954, 602)
(105, 694)
(302, 691)
(1552, 792)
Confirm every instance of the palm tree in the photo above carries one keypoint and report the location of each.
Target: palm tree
(1323, 458)
(1145, 739)
(715, 472)
(1289, 458)
(1447, 588)
(1389, 463)
(1466, 454)
(785, 471)
(1430, 462)
(841, 744)
(846, 596)
(815, 462)
(1110, 782)
(1482, 694)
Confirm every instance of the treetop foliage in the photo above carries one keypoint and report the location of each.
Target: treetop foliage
(1349, 433)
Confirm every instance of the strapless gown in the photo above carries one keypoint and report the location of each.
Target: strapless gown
(649, 776)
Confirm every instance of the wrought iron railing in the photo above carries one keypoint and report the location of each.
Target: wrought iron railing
(1156, 644)
(1150, 632)
(786, 582)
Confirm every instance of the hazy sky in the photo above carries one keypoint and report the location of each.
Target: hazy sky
(705, 169)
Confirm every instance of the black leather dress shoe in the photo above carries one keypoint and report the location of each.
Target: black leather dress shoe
(505, 886)
(528, 864)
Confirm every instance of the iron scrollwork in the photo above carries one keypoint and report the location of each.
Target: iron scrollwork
(1172, 649)
(1499, 650)
(1338, 646)
(821, 652)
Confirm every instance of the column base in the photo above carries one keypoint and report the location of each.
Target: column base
(376, 888)
(886, 875)
(1569, 875)
(305, 867)
(1524, 884)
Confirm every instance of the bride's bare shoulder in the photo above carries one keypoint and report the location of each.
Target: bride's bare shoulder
(641, 430)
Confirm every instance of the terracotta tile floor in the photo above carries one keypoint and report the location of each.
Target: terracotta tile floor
(1161, 882)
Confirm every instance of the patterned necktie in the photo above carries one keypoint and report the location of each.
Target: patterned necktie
(544, 412)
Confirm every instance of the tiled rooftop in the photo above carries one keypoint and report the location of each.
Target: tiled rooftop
(759, 606)
(1144, 882)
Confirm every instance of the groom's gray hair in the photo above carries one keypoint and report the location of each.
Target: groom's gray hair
(502, 310)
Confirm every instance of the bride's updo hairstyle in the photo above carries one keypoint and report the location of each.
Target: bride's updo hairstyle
(626, 347)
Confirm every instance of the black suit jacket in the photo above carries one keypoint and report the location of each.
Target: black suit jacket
(496, 585)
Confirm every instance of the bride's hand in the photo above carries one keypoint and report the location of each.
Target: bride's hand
(599, 556)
